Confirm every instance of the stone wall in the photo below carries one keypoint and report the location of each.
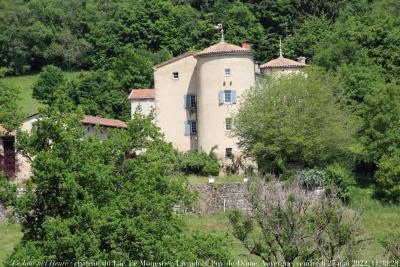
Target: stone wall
(216, 198)
(230, 196)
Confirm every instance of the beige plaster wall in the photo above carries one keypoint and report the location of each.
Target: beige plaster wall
(211, 115)
(278, 72)
(171, 114)
(146, 105)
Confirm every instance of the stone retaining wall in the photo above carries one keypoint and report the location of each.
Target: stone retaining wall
(230, 196)
(224, 197)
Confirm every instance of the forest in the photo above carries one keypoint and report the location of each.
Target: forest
(350, 104)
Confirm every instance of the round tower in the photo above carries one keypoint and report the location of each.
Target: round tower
(224, 72)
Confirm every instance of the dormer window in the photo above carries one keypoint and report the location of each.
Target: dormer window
(175, 75)
(228, 72)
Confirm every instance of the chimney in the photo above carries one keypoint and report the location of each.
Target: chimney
(302, 60)
(246, 45)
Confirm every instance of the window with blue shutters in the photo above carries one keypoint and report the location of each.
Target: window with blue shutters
(227, 96)
(191, 128)
(190, 101)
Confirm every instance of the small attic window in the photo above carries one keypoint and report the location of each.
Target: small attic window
(175, 75)
(228, 72)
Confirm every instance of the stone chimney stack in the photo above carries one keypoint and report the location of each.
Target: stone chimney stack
(246, 45)
(302, 60)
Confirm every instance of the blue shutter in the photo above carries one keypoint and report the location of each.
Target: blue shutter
(233, 96)
(185, 101)
(187, 128)
(221, 97)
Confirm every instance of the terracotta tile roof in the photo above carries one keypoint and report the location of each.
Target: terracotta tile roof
(282, 62)
(142, 94)
(223, 48)
(187, 54)
(92, 120)
(5, 132)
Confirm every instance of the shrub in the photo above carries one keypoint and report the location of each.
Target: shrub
(8, 192)
(199, 163)
(338, 178)
(51, 80)
(392, 247)
(310, 179)
(388, 179)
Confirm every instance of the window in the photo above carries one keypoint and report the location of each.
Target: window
(228, 152)
(190, 101)
(191, 128)
(228, 124)
(228, 72)
(175, 75)
(227, 96)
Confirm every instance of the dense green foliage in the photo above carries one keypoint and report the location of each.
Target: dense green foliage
(114, 205)
(49, 85)
(199, 163)
(8, 192)
(388, 178)
(90, 34)
(10, 115)
(294, 119)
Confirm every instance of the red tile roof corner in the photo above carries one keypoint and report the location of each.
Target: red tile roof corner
(142, 94)
(282, 62)
(224, 48)
(92, 120)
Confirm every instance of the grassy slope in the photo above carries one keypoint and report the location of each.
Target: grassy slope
(378, 219)
(218, 224)
(10, 234)
(25, 84)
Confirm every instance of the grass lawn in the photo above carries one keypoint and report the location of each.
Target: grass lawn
(10, 234)
(218, 180)
(378, 219)
(218, 224)
(25, 84)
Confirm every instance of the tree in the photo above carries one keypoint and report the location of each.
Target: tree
(99, 93)
(10, 115)
(292, 228)
(380, 131)
(133, 70)
(51, 81)
(306, 37)
(388, 178)
(294, 119)
(8, 192)
(97, 200)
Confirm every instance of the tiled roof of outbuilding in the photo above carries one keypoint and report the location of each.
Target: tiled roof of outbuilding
(223, 48)
(142, 94)
(282, 62)
(92, 120)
